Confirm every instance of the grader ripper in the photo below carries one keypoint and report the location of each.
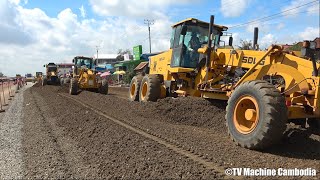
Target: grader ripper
(264, 89)
(85, 78)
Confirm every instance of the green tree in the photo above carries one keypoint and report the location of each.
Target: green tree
(245, 45)
(1, 74)
(122, 52)
(295, 47)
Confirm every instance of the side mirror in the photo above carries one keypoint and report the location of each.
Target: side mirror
(230, 41)
(44, 65)
(72, 60)
(184, 30)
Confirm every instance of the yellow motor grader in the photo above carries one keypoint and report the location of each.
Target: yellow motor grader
(51, 77)
(38, 77)
(264, 89)
(84, 77)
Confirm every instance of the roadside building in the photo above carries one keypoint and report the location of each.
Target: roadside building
(65, 68)
(105, 59)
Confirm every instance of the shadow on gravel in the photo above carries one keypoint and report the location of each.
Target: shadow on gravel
(298, 143)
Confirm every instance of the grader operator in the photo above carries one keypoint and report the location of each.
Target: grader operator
(264, 89)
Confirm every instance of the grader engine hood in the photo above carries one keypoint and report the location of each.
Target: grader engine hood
(53, 73)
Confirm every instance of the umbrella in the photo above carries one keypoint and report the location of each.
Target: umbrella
(105, 74)
(119, 72)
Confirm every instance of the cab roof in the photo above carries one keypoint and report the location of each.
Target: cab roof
(201, 23)
(83, 57)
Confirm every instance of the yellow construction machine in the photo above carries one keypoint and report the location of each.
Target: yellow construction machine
(51, 77)
(85, 78)
(38, 77)
(264, 89)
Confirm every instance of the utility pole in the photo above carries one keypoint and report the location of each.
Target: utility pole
(97, 47)
(149, 23)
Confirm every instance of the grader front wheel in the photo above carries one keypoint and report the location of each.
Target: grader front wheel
(73, 89)
(134, 88)
(150, 89)
(104, 87)
(256, 115)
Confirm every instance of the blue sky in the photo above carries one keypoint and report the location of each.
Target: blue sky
(34, 32)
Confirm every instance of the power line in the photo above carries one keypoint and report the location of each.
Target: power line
(264, 23)
(270, 16)
(149, 22)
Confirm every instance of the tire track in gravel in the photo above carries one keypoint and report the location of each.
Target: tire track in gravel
(68, 163)
(116, 151)
(168, 117)
(157, 138)
(64, 169)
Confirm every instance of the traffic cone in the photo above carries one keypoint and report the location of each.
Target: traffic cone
(4, 98)
(1, 110)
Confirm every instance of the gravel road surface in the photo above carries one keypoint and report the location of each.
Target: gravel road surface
(11, 124)
(53, 136)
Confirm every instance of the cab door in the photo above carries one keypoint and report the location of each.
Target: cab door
(178, 47)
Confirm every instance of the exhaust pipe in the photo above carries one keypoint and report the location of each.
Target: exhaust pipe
(255, 38)
(209, 47)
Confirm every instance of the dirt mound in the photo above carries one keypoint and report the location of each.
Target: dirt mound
(192, 111)
(63, 89)
(37, 85)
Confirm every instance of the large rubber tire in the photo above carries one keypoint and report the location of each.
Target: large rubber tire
(44, 81)
(314, 124)
(66, 80)
(271, 116)
(134, 88)
(104, 87)
(73, 88)
(150, 89)
(61, 81)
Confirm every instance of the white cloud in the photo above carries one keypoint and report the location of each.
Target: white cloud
(11, 31)
(280, 26)
(62, 37)
(314, 10)
(233, 8)
(82, 11)
(310, 33)
(299, 6)
(133, 8)
(267, 40)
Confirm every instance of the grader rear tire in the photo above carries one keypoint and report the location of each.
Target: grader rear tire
(104, 87)
(314, 124)
(256, 115)
(150, 89)
(134, 88)
(61, 81)
(44, 81)
(73, 89)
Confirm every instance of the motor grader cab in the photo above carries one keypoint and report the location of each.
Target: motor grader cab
(85, 78)
(51, 77)
(264, 89)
